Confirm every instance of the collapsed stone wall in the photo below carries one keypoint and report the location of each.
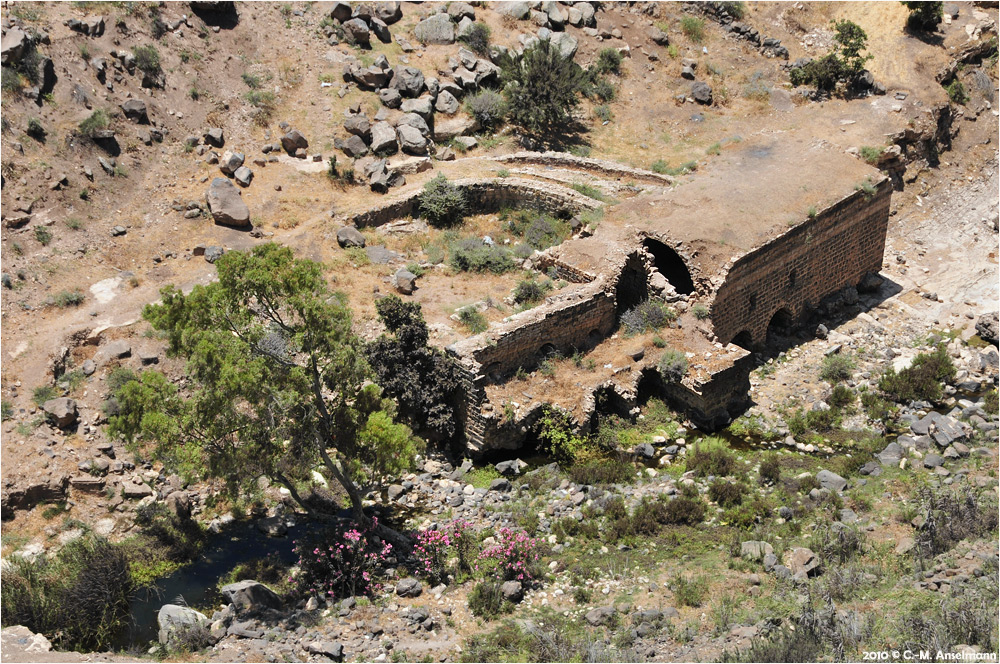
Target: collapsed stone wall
(795, 271)
(562, 159)
(575, 320)
(486, 197)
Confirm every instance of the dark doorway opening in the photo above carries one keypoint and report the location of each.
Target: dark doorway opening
(633, 285)
(670, 265)
(780, 330)
(744, 340)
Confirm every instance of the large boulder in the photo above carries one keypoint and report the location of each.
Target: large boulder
(180, 625)
(701, 93)
(411, 140)
(14, 45)
(357, 32)
(831, 481)
(566, 44)
(349, 236)
(755, 550)
(62, 412)
(135, 110)
(988, 327)
(519, 10)
(446, 103)
(409, 587)
(293, 141)
(354, 147)
(251, 596)
(406, 281)
(358, 124)
(226, 204)
(231, 161)
(438, 29)
(802, 561)
(415, 121)
(409, 81)
(383, 138)
(422, 106)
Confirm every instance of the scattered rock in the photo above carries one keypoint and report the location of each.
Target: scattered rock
(62, 412)
(349, 236)
(409, 587)
(226, 204)
(251, 596)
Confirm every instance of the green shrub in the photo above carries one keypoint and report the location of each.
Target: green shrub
(147, 60)
(588, 190)
(118, 377)
(871, 154)
(700, 311)
(488, 107)
(43, 393)
(602, 89)
(690, 590)
(442, 203)
(842, 397)
(921, 381)
(540, 231)
(79, 599)
(67, 298)
(602, 113)
(542, 87)
(683, 511)
(662, 167)
(821, 73)
(35, 129)
(924, 16)
(10, 80)
(477, 38)
(673, 365)
(43, 235)
(991, 404)
(472, 255)
(645, 316)
(609, 60)
(6, 410)
(735, 9)
(711, 456)
(727, 494)
(486, 600)
(602, 470)
(556, 437)
(837, 368)
(472, 319)
(529, 291)
(264, 103)
(956, 92)
(770, 469)
(95, 122)
(693, 28)
(868, 187)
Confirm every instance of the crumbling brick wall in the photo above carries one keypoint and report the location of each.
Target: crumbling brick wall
(795, 271)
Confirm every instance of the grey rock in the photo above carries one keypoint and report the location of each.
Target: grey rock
(349, 236)
(61, 411)
(519, 10)
(446, 103)
(380, 255)
(460, 10)
(230, 161)
(135, 110)
(803, 561)
(251, 596)
(294, 140)
(500, 485)
(422, 106)
(411, 140)
(600, 615)
(701, 92)
(644, 450)
(933, 461)
(114, 350)
(334, 651)
(409, 81)
(437, 29)
(409, 587)
(512, 591)
(831, 481)
(178, 502)
(358, 124)
(383, 139)
(566, 44)
(177, 622)
(381, 30)
(406, 281)
(272, 526)
(226, 205)
(355, 147)
(215, 137)
(755, 550)
(357, 32)
(89, 367)
(213, 253)
(341, 11)
(390, 98)
(243, 176)
(891, 455)
(14, 45)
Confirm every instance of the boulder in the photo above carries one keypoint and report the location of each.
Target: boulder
(644, 451)
(519, 10)
(214, 137)
(755, 550)
(415, 121)
(341, 11)
(891, 455)
(19, 640)
(355, 147)
(566, 44)
(292, 141)
(357, 32)
(460, 10)
(459, 125)
(601, 614)
(390, 97)
(422, 106)
(349, 236)
(389, 12)
(230, 161)
(988, 327)
(831, 481)
(226, 204)
(114, 350)
(14, 45)
(446, 103)
(334, 651)
(801, 560)
(179, 623)
(406, 281)
(213, 253)
(409, 587)
(62, 412)
(272, 526)
(358, 124)
(512, 591)
(251, 596)
(411, 140)
(500, 485)
(135, 110)
(409, 81)
(437, 29)
(659, 37)
(243, 176)
(383, 138)
(179, 503)
(701, 93)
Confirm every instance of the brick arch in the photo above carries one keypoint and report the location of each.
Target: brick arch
(744, 339)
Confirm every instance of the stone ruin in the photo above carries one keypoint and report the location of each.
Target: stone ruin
(758, 278)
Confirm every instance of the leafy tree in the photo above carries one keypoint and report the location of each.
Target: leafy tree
(279, 384)
(924, 16)
(852, 40)
(442, 203)
(542, 87)
(423, 380)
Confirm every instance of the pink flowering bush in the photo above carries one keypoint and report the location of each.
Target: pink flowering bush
(345, 561)
(514, 557)
(435, 548)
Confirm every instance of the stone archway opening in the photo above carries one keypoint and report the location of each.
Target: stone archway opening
(780, 330)
(633, 285)
(744, 340)
(669, 263)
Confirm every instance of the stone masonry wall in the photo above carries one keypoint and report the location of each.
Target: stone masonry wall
(487, 196)
(562, 159)
(796, 270)
(576, 320)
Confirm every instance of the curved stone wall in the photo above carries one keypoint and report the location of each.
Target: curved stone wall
(486, 196)
(601, 166)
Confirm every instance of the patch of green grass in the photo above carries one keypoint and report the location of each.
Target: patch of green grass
(43, 235)
(96, 121)
(589, 191)
(868, 187)
(693, 28)
(68, 298)
(482, 476)
(690, 590)
(472, 319)
(871, 153)
(43, 393)
(714, 149)
(700, 311)
(837, 368)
